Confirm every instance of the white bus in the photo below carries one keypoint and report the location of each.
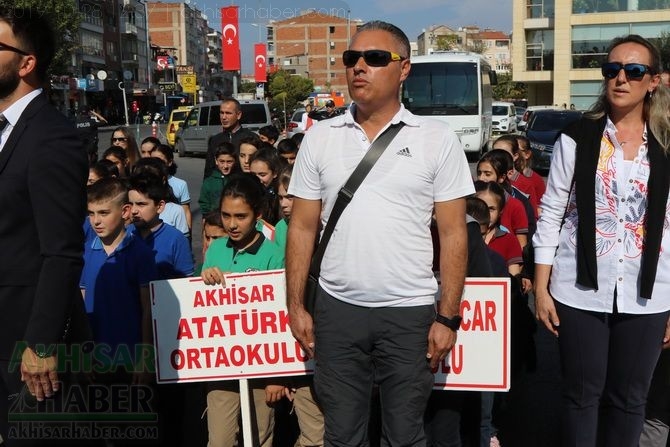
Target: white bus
(454, 87)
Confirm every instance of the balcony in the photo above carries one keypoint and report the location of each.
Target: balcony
(129, 28)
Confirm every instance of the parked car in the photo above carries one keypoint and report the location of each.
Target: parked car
(177, 117)
(295, 125)
(203, 121)
(542, 132)
(503, 117)
(521, 125)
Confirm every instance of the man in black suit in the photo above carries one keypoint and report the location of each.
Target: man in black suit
(43, 171)
(230, 112)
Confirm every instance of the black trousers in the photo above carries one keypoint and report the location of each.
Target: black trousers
(607, 361)
(357, 347)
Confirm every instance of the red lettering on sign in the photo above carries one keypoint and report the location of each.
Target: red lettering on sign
(231, 319)
(268, 292)
(183, 331)
(197, 300)
(481, 317)
(283, 321)
(252, 354)
(271, 357)
(237, 355)
(177, 359)
(268, 322)
(207, 352)
(192, 355)
(221, 358)
(455, 364)
(216, 329)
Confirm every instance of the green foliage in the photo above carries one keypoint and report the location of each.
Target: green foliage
(291, 89)
(447, 43)
(65, 19)
(663, 44)
(477, 47)
(247, 87)
(508, 89)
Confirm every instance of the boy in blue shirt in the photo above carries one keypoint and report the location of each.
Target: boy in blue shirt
(115, 281)
(171, 249)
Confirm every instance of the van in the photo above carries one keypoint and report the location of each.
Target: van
(203, 122)
(504, 117)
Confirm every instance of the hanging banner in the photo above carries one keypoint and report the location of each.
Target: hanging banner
(260, 63)
(230, 38)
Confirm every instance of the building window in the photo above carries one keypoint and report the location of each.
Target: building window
(91, 14)
(539, 9)
(583, 94)
(91, 44)
(539, 50)
(590, 42)
(593, 6)
(332, 29)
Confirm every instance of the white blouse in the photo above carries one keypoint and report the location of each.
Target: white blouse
(621, 211)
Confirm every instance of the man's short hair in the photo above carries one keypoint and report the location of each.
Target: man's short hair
(108, 189)
(149, 186)
(238, 106)
(34, 34)
(397, 33)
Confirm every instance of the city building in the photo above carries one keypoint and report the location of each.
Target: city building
(182, 31)
(493, 44)
(113, 48)
(559, 45)
(311, 45)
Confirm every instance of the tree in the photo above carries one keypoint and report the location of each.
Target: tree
(247, 87)
(65, 19)
(663, 44)
(296, 88)
(508, 89)
(447, 43)
(477, 46)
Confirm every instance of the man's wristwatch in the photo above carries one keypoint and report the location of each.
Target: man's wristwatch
(452, 323)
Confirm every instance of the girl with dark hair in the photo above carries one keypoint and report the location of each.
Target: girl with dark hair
(245, 249)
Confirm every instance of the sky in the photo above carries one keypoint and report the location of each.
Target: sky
(412, 16)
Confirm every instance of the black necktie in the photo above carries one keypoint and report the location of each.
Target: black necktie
(3, 123)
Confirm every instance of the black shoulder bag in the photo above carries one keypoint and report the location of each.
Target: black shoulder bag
(344, 196)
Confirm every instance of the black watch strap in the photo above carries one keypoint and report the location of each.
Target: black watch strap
(452, 323)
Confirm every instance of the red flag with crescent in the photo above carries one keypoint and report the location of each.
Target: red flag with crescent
(230, 38)
(260, 63)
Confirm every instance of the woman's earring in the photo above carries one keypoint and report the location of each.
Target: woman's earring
(651, 93)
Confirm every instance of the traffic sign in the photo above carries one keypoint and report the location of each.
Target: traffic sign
(188, 83)
(167, 86)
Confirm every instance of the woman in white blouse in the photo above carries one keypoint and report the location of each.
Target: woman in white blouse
(602, 252)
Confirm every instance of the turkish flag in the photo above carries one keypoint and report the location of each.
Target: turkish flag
(231, 39)
(260, 63)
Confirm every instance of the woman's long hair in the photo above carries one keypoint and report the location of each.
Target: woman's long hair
(656, 111)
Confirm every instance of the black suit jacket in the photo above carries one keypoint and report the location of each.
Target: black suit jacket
(43, 172)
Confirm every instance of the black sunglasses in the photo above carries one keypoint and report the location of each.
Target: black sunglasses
(5, 47)
(119, 138)
(611, 70)
(373, 58)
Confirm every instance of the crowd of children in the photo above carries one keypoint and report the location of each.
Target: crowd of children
(139, 230)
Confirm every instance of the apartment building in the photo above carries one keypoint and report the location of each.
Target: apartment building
(559, 45)
(183, 31)
(311, 45)
(494, 45)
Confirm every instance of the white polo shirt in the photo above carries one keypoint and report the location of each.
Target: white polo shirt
(381, 251)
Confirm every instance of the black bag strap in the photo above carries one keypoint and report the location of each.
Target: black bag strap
(346, 193)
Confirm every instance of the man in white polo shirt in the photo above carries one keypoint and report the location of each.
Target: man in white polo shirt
(375, 319)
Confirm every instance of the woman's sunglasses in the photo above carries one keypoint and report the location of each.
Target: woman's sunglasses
(119, 139)
(611, 70)
(373, 58)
